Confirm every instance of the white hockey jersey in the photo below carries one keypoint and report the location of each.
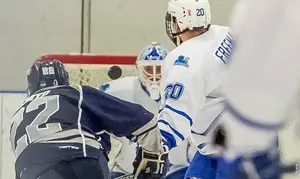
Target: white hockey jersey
(123, 151)
(192, 78)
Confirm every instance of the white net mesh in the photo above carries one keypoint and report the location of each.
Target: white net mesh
(94, 70)
(95, 75)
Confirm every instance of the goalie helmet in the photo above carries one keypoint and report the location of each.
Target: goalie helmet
(184, 15)
(44, 74)
(148, 65)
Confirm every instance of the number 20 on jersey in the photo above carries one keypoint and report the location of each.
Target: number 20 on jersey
(200, 12)
(174, 91)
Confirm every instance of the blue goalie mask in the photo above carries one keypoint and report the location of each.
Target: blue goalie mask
(149, 65)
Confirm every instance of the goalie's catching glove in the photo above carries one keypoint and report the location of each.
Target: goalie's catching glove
(150, 165)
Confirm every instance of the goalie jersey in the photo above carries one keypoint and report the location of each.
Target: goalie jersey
(129, 89)
(193, 75)
(60, 123)
(123, 152)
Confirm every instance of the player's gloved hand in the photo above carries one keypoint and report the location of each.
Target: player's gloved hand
(262, 165)
(150, 165)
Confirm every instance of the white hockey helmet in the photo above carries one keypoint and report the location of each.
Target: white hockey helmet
(149, 64)
(184, 15)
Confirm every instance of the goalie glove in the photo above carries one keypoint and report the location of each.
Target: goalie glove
(150, 165)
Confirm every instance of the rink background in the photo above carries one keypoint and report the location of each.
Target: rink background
(30, 28)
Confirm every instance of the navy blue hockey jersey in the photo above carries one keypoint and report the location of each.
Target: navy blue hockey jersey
(60, 123)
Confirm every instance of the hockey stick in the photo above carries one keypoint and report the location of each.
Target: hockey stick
(284, 169)
(130, 176)
(289, 169)
(269, 172)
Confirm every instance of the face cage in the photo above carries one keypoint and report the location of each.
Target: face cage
(151, 78)
(170, 22)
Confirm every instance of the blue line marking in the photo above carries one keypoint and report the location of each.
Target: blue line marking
(13, 91)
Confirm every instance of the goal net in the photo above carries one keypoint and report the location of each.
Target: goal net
(94, 70)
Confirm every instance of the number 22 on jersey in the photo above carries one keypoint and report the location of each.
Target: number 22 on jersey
(34, 131)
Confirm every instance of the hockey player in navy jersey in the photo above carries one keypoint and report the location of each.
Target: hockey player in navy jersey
(53, 133)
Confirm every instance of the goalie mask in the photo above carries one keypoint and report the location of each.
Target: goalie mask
(184, 15)
(149, 64)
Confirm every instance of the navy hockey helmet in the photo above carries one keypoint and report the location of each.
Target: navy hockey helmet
(44, 74)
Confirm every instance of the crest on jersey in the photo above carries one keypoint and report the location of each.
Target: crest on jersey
(182, 60)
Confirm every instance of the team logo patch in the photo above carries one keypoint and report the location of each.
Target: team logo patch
(182, 60)
(104, 87)
(189, 12)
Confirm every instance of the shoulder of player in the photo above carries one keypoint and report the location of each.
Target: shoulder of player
(219, 27)
(215, 47)
(223, 45)
(123, 84)
(187, 56)
(183, 49)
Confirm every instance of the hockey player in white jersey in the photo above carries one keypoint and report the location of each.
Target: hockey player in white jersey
(193, 74)
(263, 78)
(144, 89)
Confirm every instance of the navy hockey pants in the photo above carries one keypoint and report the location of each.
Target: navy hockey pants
(77, 168)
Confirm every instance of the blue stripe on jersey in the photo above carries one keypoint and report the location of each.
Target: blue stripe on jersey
(169, 139)
(201, 146)
(251, 122)
(174, 130)
(160, 110)
(181, 113)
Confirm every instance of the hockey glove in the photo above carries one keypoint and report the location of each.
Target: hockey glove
(150, 165)
(263, 165)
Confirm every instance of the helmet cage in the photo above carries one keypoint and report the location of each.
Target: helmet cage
(149, 72)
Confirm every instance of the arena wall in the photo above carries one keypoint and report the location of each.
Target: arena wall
(30, 28)
(9, 102)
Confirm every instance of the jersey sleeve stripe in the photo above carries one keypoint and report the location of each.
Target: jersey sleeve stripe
(181, 113)
(160, 110)
(211, 126)
(249, 121)
(173, 130)
(145, 131)
(168, 139)
(201, 146)
(79, 120)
